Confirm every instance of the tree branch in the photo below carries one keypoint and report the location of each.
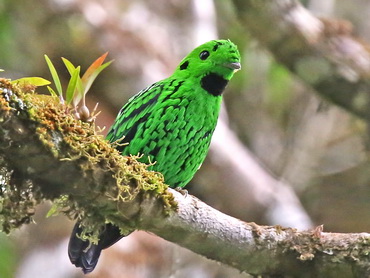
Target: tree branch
(48, 153)
(322, 52)
(261, 250)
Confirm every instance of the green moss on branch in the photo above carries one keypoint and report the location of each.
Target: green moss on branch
(47, 154)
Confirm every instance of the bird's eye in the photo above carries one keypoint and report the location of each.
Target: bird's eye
(204, 55)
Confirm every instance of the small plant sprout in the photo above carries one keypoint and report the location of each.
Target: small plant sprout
(77, 88)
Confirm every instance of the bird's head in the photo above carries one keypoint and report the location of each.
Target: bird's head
(212, 63)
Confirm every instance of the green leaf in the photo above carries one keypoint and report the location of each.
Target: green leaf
(72, 85)
(78, 94)
(36, 81)
(54, 75)
(70, 67)
(93, 71)
(93, 76)
(51, 91)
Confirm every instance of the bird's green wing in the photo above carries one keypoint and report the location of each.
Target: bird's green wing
(133, 113)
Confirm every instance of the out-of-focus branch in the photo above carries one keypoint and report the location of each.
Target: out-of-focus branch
(38, 143)
(253, 183)
(322, 52)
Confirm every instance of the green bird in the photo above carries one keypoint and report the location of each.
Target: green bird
(170, 123)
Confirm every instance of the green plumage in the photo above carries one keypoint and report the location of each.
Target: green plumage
(170, 124)
(172, 121)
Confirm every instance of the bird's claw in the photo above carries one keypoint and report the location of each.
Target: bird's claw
(183, 191)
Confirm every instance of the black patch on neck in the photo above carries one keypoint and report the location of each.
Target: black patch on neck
(184, 65)
(213, 84)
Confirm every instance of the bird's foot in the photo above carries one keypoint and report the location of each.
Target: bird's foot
(182, 191)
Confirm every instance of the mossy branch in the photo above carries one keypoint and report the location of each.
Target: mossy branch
(45, 154)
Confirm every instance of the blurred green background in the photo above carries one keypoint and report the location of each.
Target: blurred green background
(315, 148)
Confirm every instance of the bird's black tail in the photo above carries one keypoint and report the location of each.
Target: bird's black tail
(85, 255)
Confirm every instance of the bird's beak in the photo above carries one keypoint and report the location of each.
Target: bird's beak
(235, 66)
